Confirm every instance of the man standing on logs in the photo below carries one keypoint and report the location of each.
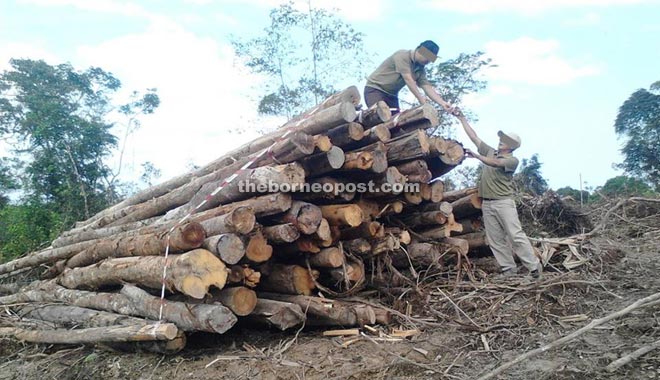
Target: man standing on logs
(503, 228)
(404, 68)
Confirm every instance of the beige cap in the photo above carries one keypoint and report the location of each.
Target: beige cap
(511, 139)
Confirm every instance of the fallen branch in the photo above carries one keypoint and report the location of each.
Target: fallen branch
(560, 342)
(620, 362)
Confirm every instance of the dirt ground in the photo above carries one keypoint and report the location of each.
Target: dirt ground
(468, 327)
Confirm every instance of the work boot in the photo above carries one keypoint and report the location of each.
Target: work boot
(536, 274)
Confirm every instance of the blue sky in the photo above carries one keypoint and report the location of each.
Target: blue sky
(564, 67)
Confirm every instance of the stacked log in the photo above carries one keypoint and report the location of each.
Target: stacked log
(205, 250)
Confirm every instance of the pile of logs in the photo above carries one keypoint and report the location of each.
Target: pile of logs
(276, 259)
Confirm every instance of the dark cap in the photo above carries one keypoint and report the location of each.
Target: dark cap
(429, 50)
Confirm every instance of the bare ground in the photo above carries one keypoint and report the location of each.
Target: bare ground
(467, 328)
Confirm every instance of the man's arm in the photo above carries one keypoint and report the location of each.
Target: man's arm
(490, 161)
(412, 86)
(469, 131)
(429, 90)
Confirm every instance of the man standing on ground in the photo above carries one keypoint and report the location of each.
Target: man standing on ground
(503, 229)
(404, 68)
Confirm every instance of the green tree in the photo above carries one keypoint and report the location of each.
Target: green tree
(56, 118)
(638, 123)
(568, 191)
(304, 52)
(529, 179)
(26, 227)
(455, 78)
(625, 186)
(7, 181)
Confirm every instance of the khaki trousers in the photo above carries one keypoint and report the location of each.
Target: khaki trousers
(505, 234)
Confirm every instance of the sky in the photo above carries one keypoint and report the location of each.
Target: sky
(563, 67)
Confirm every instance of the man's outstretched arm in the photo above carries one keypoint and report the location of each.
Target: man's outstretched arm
(468, 130)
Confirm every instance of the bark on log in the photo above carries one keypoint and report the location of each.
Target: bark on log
(136, 302)
(418, 114)
(378, 152)
(451, 196)
(282, 315)
(408, 147)
(91, 234)
(183, 238)
(443, 231)
(390, 182)
(296, 146)
(138, 333)
(246, 184)
(365, 230)
(324, 119)
(450, 152)
(346, 135)
(401, 234)
(384, 244)
(191, 273)
(262, 206)
(423, 218)
(305, 216)
(421, 255)
(458, 245)
(323, 233)
(445, 208)
(357, 246)
(376, 114)
(475, 240)
(331, 257)
(240, 220)
(342, 215)
(289, 279)
(322, 163)
(351, 273)
(281, 233)
(471, 225)
(74, 316)
(329, 191)
(228, 247)
(377, 134)
(467, 206)
(327, 312)
(370, 209)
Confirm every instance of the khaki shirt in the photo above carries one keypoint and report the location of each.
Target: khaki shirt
(387, 77)
(496, 182)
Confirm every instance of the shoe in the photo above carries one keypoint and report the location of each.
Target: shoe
(536, 273)
(508, 273)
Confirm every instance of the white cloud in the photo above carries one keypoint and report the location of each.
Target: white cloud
(473, 27)
(531, 61)
(102, 6)
(521, 6)
(350, 9)
(203, 96)
(588, 19)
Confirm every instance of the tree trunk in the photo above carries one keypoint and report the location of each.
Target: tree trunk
(240, 300)
(322, 143)
(326, 312)
(421, 255)
(418, 114)
(322, 163)
(243, 275)
(228, 247)
(134, 301)
(329, 191)
(467, 206)
(408, 147)
(346, 135)
(289, 279)
(321, 121)
(331, 257)
(342, 215)
(183, 238)
(384, 244)
(240, 220)
(376, 114)
(423, 218)
(323, 233)
(358, 247)
(296, 146)
(358, 161)
(281, 233)
(257, 248)
(305, 216)
(135, 333)
(282, 315)
(365, 230)
(451, 196)
(191, 273)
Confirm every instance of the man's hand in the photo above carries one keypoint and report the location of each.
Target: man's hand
(470, 154)
(449, 108)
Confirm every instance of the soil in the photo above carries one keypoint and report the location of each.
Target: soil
(468, 327)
